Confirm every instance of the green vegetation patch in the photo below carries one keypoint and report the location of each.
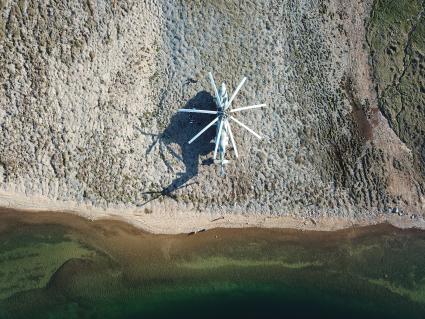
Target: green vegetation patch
(217, 262)
(28, 260)
(396, 37)
(416, 294)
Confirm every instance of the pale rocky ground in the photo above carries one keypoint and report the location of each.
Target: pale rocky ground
(90, 89)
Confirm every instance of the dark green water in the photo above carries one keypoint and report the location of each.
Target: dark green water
(60, 266)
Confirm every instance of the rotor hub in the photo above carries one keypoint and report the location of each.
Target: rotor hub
(223, 113)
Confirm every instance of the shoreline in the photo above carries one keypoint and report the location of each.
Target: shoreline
(178, 222)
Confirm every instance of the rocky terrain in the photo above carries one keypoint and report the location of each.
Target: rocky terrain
(90, 89)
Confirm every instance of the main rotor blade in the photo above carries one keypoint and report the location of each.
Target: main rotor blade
(197, 111)
(218, 138)
(213, 85)
(236, 91)
(247, 108)
(245, 127)
(232, 139)
(203, 130)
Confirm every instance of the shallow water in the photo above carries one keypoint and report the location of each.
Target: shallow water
(61, 266)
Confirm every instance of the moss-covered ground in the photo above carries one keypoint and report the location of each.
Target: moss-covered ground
(396, 36)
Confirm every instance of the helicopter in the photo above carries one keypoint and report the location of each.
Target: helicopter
(224, 117)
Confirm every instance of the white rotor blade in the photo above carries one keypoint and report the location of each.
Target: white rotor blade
(247, 108)
(236, 92)
(218, 138)
(231, 138)
(203, 130)
(245, 127)
(197, 111)
(213, 85)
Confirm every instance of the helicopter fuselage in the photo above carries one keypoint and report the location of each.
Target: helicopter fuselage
(224, 115)
(222, 106)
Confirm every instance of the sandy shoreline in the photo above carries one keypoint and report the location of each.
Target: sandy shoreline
(175, 222)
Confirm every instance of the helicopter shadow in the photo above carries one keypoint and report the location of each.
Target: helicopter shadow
(182, 127)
